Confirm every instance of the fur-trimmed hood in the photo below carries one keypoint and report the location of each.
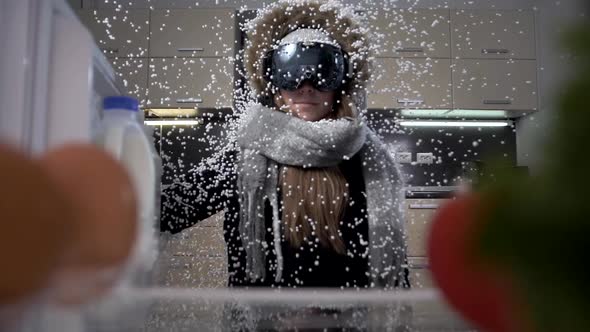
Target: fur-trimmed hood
(279, 19)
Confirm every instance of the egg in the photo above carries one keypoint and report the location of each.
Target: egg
(37, 222)
(107, 213)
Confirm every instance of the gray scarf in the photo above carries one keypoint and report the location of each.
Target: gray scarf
(269, 138)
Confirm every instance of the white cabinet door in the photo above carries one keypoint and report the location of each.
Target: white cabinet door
(133, 75)
(411, 83)
(191, 82)
(192, 32)
(493, 34)
(495, 84)
(419, 214)
(119, 33)
(413, 33)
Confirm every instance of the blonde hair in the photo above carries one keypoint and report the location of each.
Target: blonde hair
(314, 199)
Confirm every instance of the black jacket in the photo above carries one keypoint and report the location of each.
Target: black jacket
(308, 266)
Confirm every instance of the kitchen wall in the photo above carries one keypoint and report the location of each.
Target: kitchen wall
(521, 145)
(452, 147)
(552, 18)
(183, 147)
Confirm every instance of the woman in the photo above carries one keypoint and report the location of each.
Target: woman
(314, 199)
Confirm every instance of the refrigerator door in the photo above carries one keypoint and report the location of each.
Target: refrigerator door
(52, 78)
(79, 76)
(19, 70)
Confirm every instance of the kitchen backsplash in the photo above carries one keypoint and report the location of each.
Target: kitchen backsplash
(182, 147)
(451, 147)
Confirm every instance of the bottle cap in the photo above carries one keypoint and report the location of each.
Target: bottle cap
(120, 102)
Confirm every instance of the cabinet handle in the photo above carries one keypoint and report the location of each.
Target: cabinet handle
(190, 49)
(410, 101)
(418, 265)
(424, 206)
(494, 51)
(410, 50)
(110, 50)
(189, 100)
(497, 102)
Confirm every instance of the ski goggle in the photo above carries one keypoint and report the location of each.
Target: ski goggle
(324, 65)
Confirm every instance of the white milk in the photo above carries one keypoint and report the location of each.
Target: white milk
(125, 138)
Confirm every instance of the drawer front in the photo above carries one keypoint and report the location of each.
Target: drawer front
(493, 34)
(413, 33)
(191, 82)
(411, 83)
(420, 276)
(192, 33)
(133, 75)
(122, 33)
(419, 214)
(495, 84)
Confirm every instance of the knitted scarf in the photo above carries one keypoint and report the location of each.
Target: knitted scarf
(269, 138)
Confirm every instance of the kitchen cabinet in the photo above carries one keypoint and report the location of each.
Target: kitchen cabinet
(191, 82)
(413, 32)
(479, 60)
(419, 213)
(192, 33)
(411, 83)
(479, 34)
(119, 32)
(495, 84)
(133, 75)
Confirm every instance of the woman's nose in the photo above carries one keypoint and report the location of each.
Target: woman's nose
(306, 87)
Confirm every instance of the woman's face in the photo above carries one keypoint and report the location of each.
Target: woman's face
(307, 103)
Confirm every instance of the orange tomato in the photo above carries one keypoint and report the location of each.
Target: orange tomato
(37, 222)
(106, 211)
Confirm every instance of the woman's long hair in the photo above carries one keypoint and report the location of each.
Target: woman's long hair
(314, 199)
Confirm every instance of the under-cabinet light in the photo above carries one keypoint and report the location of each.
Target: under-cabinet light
(172, 122)
(171, 112)
(411, 123)
(454, 113)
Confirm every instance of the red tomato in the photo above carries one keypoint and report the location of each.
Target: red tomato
(478, 290)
